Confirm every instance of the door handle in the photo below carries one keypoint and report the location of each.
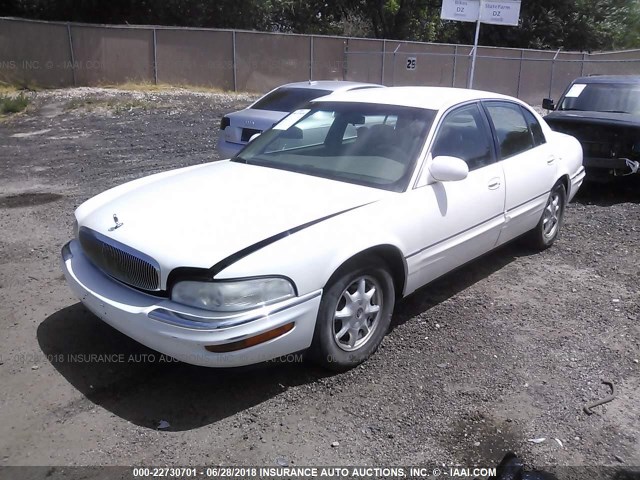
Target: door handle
(551, 159)
(494, 183)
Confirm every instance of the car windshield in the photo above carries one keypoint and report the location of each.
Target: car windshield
(603, 97)
(367, 144)
(288, 99)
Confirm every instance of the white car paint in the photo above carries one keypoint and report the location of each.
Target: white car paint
(304, 228)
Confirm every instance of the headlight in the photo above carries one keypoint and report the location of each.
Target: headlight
(233, 296)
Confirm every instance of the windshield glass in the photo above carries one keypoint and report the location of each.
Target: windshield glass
(288, 99)
(603, 97)
(372, 145)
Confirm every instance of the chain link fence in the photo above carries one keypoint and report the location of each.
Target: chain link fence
(53, 54)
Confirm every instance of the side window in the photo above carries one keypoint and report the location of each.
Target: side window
(534, 126)
(511, 128)
(463, 134)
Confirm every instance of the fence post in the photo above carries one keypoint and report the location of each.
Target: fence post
(520, 73)
(553, 68)
(384, 51)
(345, 59)
(155, 58)
(233, 42)
(73, 58)
(310, 57)
(393, 76)
(582, 68)
(455, 65)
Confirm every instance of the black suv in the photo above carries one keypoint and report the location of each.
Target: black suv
(603, 113)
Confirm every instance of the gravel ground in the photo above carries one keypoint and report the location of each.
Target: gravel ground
(506, 349)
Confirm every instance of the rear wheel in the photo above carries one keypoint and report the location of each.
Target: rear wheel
(548, 228)
(354, 316)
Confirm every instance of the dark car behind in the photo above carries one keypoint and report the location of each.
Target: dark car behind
(603, 113)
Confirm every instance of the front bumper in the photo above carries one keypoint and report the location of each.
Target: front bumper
(183, 332)
(619, 164)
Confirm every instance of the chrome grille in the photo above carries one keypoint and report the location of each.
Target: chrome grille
(120, 261)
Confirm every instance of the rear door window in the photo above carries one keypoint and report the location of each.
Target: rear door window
(288, 99)
(534, 126)
(511, 128)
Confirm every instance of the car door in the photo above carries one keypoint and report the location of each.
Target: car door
(458, 220)
(528, 163)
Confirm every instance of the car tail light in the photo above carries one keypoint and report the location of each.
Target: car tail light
(224, 123)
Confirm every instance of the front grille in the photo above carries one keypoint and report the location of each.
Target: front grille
(602, 141)
(119, 261)
(598, 149)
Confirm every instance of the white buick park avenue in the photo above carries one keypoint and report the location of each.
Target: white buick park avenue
(306, 239)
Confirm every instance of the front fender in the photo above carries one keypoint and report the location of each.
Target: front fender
(310, 256)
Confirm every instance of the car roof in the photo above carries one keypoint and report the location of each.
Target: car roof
(333, 85)
(623, 79)
(433, 98)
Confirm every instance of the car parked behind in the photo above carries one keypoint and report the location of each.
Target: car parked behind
(237, 128)
(603, 113)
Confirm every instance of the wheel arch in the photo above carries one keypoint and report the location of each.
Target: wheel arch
(566, 181)
(389, 254)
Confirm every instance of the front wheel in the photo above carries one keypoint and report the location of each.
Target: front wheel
(354, 316)
(548, 228)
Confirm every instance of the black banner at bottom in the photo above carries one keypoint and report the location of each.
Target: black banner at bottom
(621, 472)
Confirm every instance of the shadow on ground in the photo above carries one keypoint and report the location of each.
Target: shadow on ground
(456, 281)
(614, 191)
(144, 387)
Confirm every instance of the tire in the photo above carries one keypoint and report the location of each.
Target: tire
(548, 228)
(354, 315)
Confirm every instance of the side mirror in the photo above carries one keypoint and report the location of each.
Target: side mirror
(448, 169)
(548, 104)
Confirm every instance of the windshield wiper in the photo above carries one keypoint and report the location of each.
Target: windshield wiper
(614, 111)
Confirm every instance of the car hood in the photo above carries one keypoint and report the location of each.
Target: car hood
(600, 118)
(256, 119)
(198, 216)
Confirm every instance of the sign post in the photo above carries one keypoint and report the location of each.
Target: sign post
(498, 12)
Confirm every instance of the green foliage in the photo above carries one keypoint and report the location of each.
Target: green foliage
(567, 24)
(578, 25)
(13, 104)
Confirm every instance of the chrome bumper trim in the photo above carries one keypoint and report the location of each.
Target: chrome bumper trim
(217, 322)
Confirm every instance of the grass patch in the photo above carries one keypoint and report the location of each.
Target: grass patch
(11, 88)
(161, 87)
(13, 104)
(114, 105)
(8, 89)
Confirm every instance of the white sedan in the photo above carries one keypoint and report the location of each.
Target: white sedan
(237, 128)
(307, 239)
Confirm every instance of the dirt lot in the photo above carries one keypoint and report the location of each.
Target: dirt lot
(505, 350)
